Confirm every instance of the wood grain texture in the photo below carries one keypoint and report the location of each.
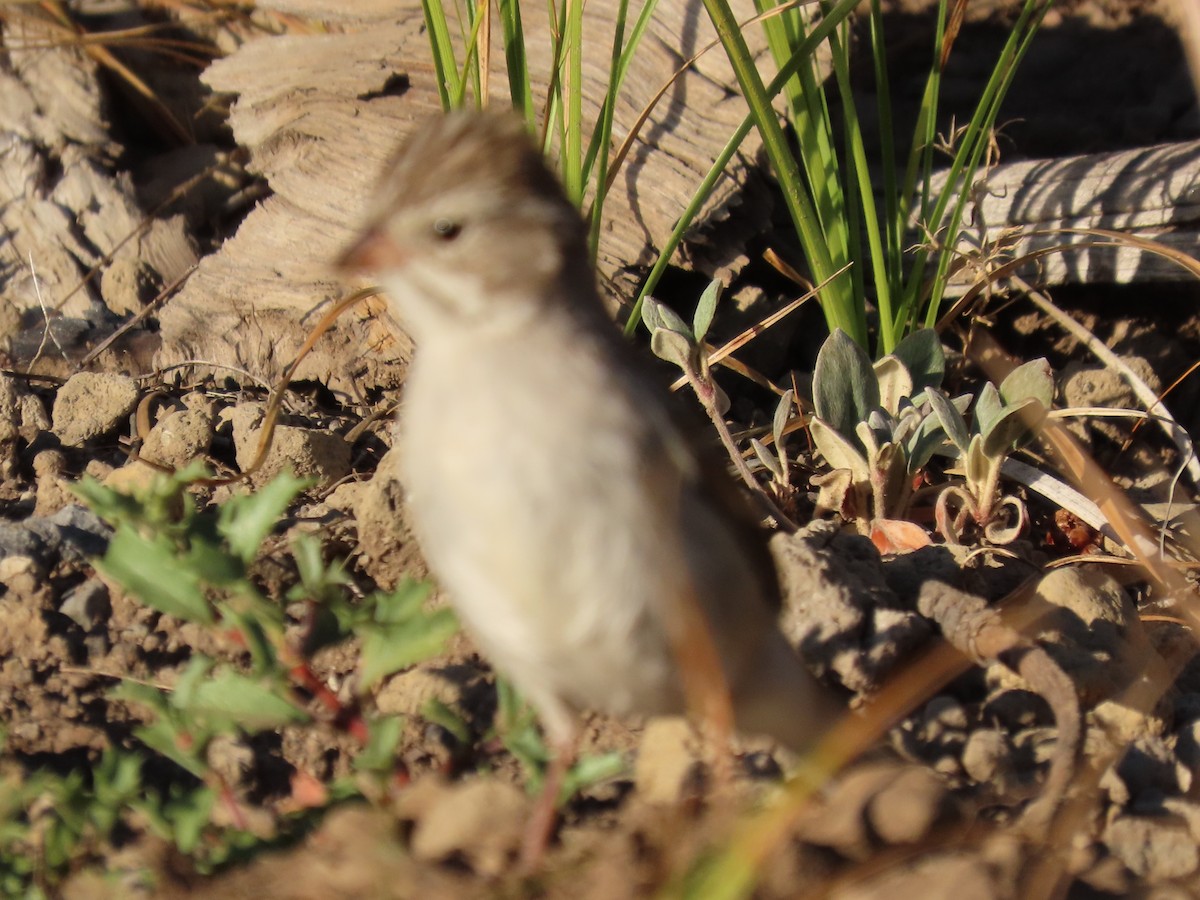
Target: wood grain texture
(320, 115)
(1151, 192)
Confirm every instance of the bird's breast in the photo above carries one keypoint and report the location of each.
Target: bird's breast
(528, 472)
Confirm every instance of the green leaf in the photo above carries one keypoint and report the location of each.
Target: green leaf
(590, 771)
(658, 316)
(188, 815)
(248, 703)
(844, 385)
(150, 569)
(950, 418)
(705, 309)
(437, 712)
(210, 562)
(767, 458)
(838, 452)
(168, 740)
(1032, 380)
(390, 648)
(404, 602)
(672, 346)
(246, 520)
(988, 409)
(383, 737)
(1015, 426)
(923, 356)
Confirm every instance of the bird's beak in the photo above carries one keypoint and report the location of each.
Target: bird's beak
(372, 252)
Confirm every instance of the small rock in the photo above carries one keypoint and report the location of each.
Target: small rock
(305, 451)
(908, 807)
(87, 605)
(16, 540)
(1188, 811)
(944, 713)
(477, 821)
(884, 800)
(132, 478)
(229, 757)
(1148, 770)
(19, 574)
(987, 758)
(180, 437)
(1092, 632)
(1153, 847)
(33, 417)
(9, 427)
(386, 544)
(53, 489)
(407, 693)
(667, 763)
(74, 533)
(838, 610)
(92, 404)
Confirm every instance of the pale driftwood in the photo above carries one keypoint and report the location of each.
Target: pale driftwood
(1150, 192)
(320, 115)
(63, 210)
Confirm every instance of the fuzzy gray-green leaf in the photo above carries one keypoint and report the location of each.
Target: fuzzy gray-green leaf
(673, 347)
(922, 354)
(837, 450)
(951, 419)
(783, 412)
(658, 316)
(988, 408)
(1017, 425)
(767, 458)
(1032, 380)
(844, 385)
(705, 309)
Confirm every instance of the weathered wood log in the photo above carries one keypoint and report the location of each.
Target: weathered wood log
(1151, 192)
(320, 114)
(64, 211)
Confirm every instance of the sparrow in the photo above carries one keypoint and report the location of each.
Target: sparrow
(592, 546)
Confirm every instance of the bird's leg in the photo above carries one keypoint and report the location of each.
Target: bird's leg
(545, 810)
(705, 687)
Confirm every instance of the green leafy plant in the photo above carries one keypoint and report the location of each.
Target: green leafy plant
(879, 424)
(1004, 420)
(195, 564)
(874, 424)
(516, 726)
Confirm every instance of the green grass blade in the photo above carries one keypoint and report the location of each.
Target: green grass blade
(971, 150)
(893, 220)
(862, 216)
(572, 156)
(471, 63)
(445, 66)
(837, 301)
(598, 149)
(800, 57)
(515, 59)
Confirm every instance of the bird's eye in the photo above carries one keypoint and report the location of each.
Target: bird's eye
(446, 229)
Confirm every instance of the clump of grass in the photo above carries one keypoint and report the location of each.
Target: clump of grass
(827, 185)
